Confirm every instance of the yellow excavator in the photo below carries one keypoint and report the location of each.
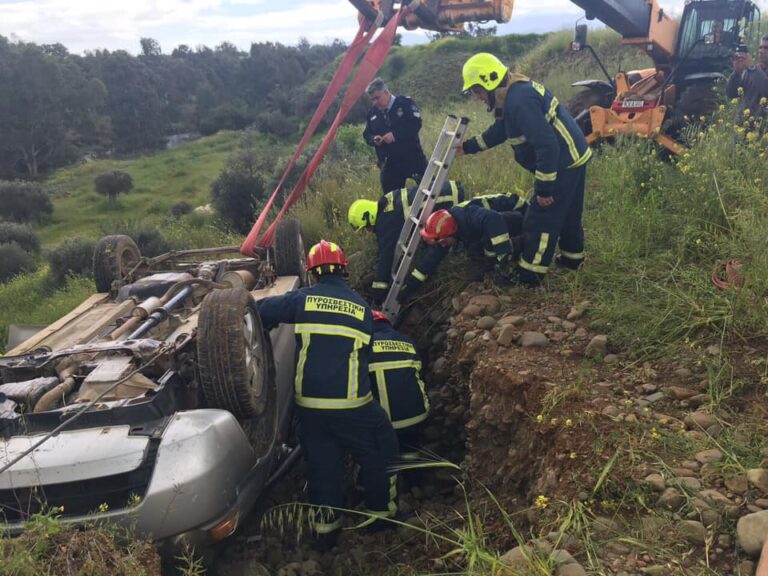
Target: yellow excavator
(690, 55)
(439, 15)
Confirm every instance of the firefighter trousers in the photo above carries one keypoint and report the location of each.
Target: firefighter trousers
(394, 174)
(559, 224)
(327, 436)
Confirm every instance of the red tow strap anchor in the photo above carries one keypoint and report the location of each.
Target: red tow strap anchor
(369, 66)
(728, 275)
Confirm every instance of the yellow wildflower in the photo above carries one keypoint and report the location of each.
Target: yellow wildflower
(541, 501)
(540, 418)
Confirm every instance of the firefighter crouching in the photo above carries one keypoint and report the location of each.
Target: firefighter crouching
(469, 225)
(386, 218)
(547, 142)
(396, 379)
(336, 410)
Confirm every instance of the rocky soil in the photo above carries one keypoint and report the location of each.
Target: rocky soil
(576, 457)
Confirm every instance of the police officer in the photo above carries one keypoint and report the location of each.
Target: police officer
(336, 410)
(547, 142)
(386, 218)
(392, 128)
(396, 373)
(466, 224)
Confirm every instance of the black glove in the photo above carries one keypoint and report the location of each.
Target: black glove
(405, 294)
(502, 271)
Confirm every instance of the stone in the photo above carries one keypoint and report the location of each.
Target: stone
(700, 420)
(683, 472)
(681, 393)
(469, 336)
(561, 558)
(513, 320)
(531, 339)
(515, 559)
(507, 335)
(597, 346)
(610, 359)
(690, 484)
(655, 397)
(471, 311)
(737, 484)
(567, 325)
(487, 303)
(656, 570)
(746, 568)
(758, 477)
(611, 411)
(724, 540)
(456, 304)
(713, 350)
(655, 481)
(570, 570)
(690, 464)
(762, 502)
(581, 333)
(440, 365)
(698, 400)
(683, 373)
(692, 531)
(605, 526)
(670, 499)
(751, 531)
(714, 497)
(310, 568)
(554, 320)
(486, 322)
(708, 456)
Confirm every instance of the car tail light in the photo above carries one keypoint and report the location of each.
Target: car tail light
(226, 527)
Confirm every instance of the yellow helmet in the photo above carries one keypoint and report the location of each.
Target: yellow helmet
(483, 69)
(362, 213)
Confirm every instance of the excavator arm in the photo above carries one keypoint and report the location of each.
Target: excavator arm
(439, 15)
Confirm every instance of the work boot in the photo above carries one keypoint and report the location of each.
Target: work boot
(568, 263)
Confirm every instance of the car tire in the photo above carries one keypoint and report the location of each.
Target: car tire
(234, 355)
(580, 104)
(290, 256)
(113, 258)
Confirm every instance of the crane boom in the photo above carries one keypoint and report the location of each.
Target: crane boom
(630, 18)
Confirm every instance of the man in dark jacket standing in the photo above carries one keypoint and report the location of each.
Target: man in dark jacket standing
(752, 80)
(392, 128)
(336, 410)
(547, 142)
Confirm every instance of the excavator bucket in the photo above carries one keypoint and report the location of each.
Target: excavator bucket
(439, 15)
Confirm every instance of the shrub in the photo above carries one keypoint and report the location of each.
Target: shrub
(74, 256)
(22, 234)
(181, 208)
(14, 260)
(150, 240)
(237, 191)
(110, 184)
(24, 201)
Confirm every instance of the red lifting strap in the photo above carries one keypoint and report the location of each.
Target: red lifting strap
(370, 65)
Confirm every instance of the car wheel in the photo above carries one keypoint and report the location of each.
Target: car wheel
(233, 354)
(113, 258)
(290, 257)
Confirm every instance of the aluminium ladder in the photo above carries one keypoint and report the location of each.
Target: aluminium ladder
(429, 189)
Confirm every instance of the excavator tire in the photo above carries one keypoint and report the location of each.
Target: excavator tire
(697, 100)
(580, 104)
(290, 257)
(113, 258)
(234, 354)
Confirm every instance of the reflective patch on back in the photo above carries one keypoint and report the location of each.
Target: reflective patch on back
(393, 346)
(334, 306)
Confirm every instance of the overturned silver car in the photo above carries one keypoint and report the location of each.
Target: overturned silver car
(159, 403)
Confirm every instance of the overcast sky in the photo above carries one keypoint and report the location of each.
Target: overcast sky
(118, 24)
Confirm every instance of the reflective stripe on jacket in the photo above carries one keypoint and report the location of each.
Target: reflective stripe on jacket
(333, 326)
(396, 371)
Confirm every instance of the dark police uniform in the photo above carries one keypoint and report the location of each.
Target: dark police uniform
(403, 158)
(394, 207)
(547, 142)
(476, 225)
(336, 410)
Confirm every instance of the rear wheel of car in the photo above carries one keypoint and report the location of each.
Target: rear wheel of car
(233, 354)
(580, 104)
(113, 258)
(697, 100)
(290, 257)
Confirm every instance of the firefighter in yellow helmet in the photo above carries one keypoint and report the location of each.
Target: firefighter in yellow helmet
(546, 141)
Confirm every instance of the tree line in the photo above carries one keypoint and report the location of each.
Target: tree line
(56, 107)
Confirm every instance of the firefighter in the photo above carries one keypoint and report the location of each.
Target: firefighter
(547, 142)
(396, 378)
(469, 225)
(336, 410)
(392, 128)
(386, 218)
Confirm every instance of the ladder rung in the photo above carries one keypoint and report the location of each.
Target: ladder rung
(439, 163)
(415, 220)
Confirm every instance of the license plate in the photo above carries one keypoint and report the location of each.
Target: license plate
(632, 103)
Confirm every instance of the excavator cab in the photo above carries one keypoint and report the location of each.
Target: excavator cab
(438, 15)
